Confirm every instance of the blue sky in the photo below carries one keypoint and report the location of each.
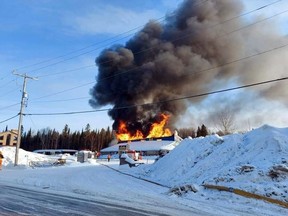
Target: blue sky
(33, 31)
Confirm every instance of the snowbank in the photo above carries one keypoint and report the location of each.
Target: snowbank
(24, 158)
(30, 159)
(246, 161)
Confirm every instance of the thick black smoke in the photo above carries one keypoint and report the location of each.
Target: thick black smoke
(167, 61)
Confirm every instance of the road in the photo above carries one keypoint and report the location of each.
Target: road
(16, 201)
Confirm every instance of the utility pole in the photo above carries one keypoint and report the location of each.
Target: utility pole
(23, 102)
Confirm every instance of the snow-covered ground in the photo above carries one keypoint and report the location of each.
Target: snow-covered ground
(256, 162)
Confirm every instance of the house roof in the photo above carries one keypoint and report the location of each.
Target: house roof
(15, 132)
(165, 143)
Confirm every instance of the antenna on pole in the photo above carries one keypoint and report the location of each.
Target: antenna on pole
(23, 101)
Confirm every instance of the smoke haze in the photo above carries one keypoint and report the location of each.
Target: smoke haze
(174, 59)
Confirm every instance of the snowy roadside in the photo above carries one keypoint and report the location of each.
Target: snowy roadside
(96, 182)
(213, 201)
(240, 161)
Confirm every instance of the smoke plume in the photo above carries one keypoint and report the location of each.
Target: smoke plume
(178, 58)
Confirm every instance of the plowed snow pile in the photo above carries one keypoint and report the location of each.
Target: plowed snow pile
(25, 157)
(29, 159)
(256, 162)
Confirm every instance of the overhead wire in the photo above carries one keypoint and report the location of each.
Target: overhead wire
(8, 119)
(66, 90)
(67, 59)
(189, 34)
(236, 30)
(12, 105)
(166, 101)
(7, 83)
(244, 14)
(62, 100)
(194, 73)
(84, 48)
(94, 44)
(75, 51)
(227, 63)
(66, 71)
(73, 88)
(202, 71)
(88, 47)
(7, 93)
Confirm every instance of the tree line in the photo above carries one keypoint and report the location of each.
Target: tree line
(86, 139)
(201, 131)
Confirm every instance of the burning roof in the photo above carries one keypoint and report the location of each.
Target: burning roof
(157, 129)
(153, 144)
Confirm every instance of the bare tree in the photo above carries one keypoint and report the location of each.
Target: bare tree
(224, 121)
(186, 132)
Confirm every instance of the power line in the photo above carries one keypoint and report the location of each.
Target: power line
(166, 101)
(62, 100)
(85, 48)
(101, 42)
(1, 108)
(73, 88)
(4, 77)
(198, 72)
(236, 30)
(241, 59)
(187, 35)
(73, 57)
(244, 14)
(66, 90)
(7, 83)
(7, 93)
(66, 71)
(9, 119)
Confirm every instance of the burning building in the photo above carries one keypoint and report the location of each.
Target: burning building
(159, 140)
(146, 147)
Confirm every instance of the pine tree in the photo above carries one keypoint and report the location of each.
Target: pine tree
(199, 132)
(204, 131)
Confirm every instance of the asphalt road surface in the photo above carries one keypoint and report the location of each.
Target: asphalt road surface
(16, 201)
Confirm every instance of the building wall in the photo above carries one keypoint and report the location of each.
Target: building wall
(8, 138)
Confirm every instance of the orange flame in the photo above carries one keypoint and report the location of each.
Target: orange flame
(156, 130)
(124, 134)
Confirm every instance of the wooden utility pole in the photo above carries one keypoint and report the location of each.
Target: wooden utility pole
(23, 102)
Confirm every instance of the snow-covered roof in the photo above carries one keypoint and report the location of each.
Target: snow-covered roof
(149, 144)
(153, 145)
(55, 150)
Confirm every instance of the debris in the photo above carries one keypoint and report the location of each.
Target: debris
(180, 190)
(245, 169)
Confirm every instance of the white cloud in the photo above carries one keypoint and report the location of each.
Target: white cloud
(111, 20)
